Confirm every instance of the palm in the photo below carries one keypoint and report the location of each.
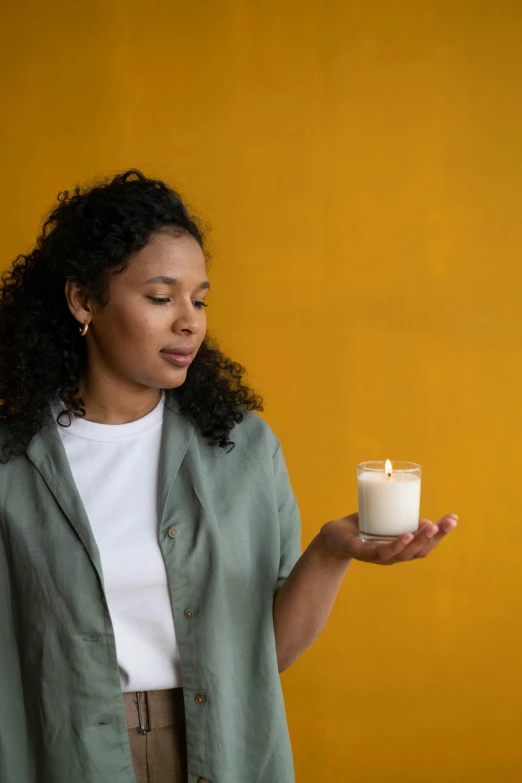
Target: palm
(343, 539)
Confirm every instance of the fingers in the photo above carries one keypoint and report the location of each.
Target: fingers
(422, 543)
(428, 537)
(380, 552)
(404, 548)
(395, 549)
(448, 523)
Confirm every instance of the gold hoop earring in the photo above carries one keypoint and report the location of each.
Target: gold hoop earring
(83, 329)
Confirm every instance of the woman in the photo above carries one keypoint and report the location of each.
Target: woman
(152, 585)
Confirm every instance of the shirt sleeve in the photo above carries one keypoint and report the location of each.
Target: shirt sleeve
(289, 518)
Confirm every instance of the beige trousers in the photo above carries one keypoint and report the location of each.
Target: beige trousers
(156, 724)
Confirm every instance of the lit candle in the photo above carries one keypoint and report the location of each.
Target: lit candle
(389, 499)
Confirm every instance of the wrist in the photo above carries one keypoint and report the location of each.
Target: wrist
(327, 545)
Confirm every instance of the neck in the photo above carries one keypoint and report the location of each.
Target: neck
(112, 403)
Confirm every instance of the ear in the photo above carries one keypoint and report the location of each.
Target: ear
(78, 301)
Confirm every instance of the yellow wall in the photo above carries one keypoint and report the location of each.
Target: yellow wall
(361, 164)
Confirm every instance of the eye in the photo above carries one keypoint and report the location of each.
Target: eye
(161, 301)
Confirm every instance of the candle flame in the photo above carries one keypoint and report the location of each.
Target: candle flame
(388, 467)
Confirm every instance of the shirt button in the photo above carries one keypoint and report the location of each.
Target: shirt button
(200, 699)
(189, 614)
(172, 532)
(203, 780)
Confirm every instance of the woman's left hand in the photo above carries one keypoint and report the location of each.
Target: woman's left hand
(341, 536)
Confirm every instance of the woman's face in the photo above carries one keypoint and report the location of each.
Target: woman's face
(154, 323)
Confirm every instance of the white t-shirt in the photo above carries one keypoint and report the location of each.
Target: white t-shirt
(115, 468)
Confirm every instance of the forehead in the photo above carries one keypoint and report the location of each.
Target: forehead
(168, 255)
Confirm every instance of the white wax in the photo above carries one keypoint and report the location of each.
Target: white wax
(389, 505)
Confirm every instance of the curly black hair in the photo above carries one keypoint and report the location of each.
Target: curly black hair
(89, 236)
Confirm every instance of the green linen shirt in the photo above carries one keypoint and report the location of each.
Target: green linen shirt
(229, 533)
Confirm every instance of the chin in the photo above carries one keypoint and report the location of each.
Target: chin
(174, 383)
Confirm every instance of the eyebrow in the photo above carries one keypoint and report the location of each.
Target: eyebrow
(172, 281)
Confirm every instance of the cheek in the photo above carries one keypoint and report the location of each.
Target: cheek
(145, 328)
(130, 331)
(143, 324)
(203, 327)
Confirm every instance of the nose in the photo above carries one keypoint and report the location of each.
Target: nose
(188, 320)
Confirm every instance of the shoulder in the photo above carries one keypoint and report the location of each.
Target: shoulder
(255, 443)
(254, 432)
(4, 434)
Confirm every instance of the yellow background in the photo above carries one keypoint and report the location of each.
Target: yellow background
(360, 164)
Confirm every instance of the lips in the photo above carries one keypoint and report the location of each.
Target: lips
(181, 355)
(180, 350)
